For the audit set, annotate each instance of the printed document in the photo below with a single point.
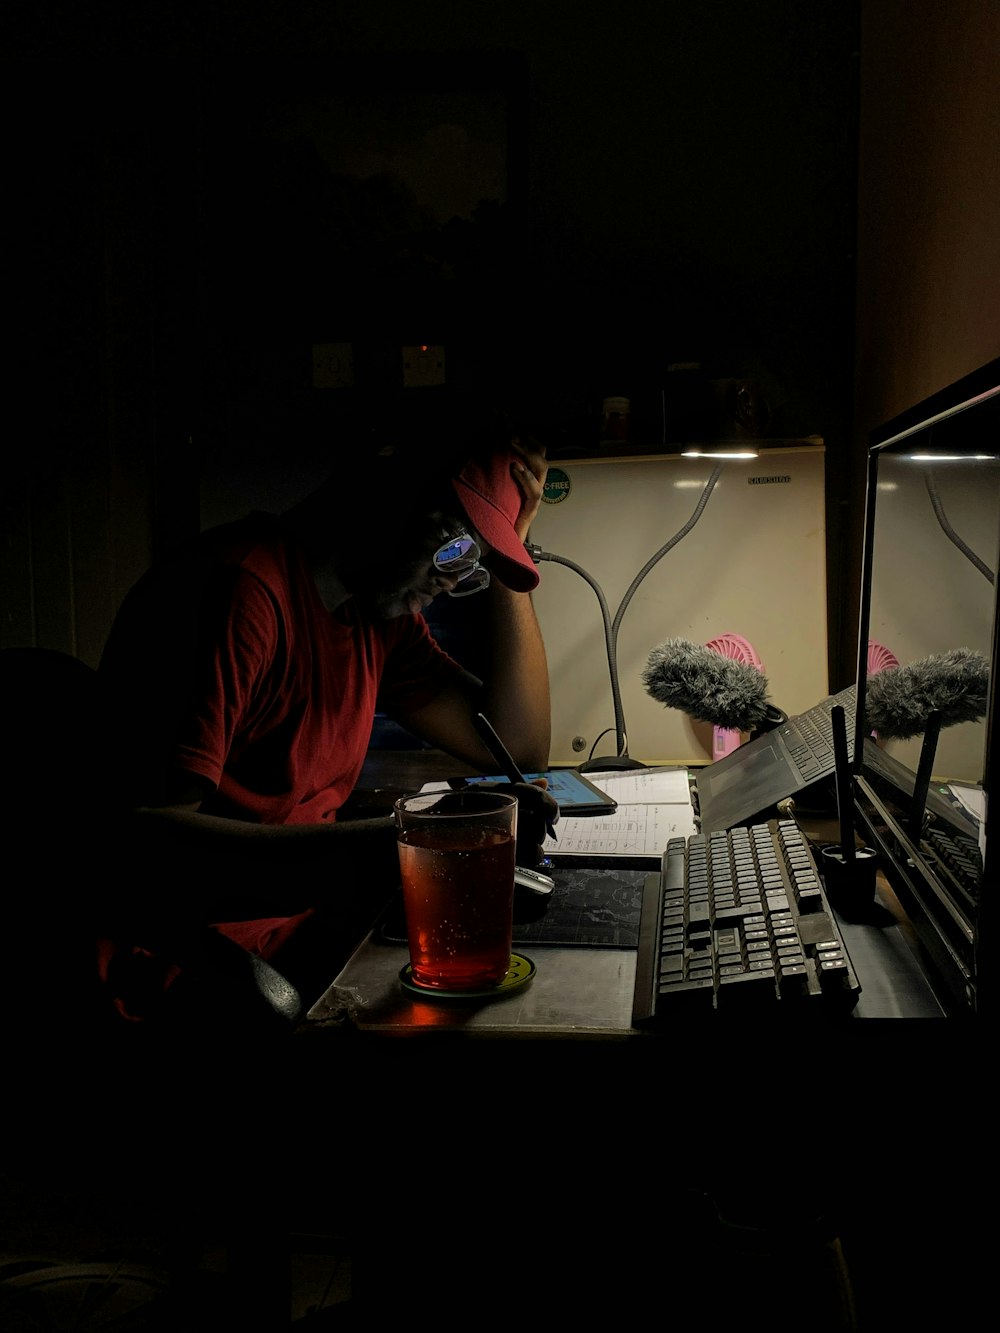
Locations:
(654, 805)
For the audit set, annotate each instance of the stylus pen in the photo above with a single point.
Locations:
(501, 754)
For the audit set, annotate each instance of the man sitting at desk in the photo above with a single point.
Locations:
(242, 677)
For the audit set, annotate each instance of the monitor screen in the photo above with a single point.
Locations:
(929, 616)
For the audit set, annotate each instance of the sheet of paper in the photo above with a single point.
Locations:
(973, 798)
(652, 786)
(633, 830)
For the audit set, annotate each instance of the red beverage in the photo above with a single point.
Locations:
(458, 892)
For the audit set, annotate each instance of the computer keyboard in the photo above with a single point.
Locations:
(960, 856)
(737, 922)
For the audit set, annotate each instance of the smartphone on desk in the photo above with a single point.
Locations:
(575, 794)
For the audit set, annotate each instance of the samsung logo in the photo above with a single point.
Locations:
(775, 480)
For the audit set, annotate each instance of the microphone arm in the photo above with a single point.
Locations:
(611, 627)
(621, 738)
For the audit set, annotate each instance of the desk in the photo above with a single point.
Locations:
(578, 992)
(587, 992)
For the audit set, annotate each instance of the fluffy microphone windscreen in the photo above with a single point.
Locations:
(899, 700)
(705, 685)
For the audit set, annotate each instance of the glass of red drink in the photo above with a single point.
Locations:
(456, 863)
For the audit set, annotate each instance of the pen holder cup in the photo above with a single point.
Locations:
(850, 885)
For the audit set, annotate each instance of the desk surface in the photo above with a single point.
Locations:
(586, 992)
(583, 992)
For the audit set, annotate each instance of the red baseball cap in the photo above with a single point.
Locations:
(491, 499)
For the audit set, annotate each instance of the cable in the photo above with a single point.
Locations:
(537, 554)
(950, 532)
(611, 627)
(597, 740)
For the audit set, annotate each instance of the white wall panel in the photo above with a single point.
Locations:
(754, 564)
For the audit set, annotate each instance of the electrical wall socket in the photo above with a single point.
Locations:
(422, 365)
(333, 365)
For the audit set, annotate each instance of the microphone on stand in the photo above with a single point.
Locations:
(900, 701)
(925, 767)
(709, 687)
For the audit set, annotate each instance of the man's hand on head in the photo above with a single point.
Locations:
(529, 472)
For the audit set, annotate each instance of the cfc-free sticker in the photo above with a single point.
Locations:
(557, 486)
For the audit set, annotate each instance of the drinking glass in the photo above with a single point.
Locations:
(456, 862)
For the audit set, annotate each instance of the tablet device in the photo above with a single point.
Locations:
(575, 794)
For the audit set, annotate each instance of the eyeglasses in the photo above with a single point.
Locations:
(459, 557)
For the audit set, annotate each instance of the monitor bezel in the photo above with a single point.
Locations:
(957, 947)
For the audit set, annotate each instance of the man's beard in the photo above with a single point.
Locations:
(388, 599)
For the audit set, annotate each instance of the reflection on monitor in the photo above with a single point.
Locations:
(932, 550)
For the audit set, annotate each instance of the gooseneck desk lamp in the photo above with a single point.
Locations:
(621, 758)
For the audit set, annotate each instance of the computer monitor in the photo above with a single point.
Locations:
(932, 538)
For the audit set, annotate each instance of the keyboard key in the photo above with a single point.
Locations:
(834, 977)
(793, 983)
(699, 917)
(739, 912)
(749, 990)
(673, 864)
(687, 996)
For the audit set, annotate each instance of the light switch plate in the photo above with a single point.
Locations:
(422, 365)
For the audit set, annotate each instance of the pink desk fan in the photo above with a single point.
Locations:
(738, 649)
(879, 659)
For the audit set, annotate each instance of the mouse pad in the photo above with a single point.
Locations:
(587, 908)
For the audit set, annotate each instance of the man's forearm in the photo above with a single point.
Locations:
(516, 691)
(282, 842)
(200, 866)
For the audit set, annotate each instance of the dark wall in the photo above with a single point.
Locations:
(678, 185)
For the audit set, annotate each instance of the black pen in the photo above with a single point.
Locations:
(502, 755)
